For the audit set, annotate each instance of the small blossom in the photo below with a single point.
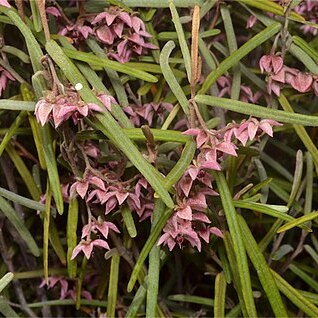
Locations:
(62, 107)
(81, 186)
(251, 21)
(4, 77)
(53, 11)
(102, 226)
(76, 32)
(5, 3)
(271, 63)
(86, 246)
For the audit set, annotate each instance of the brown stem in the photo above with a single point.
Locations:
(20, 6)
(41, 7)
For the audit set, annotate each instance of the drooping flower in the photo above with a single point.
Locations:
(122, 34)
(5, 3)
(81, 186)
(144, 114)
(62, 107)
(86, 246)
(4, 77)
(271, 63)
(76, 32)
(99, 225)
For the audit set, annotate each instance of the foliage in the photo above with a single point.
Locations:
(158, 158)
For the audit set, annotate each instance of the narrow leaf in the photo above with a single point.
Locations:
(23, 231)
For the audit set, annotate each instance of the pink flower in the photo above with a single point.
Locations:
(81, 186)
(86, 246)
(139, 115)
(5, 3)
(52, 282)
(53, 11)
(102, 226)
(251, 21)
(76, 32)
(271, 63)
(62, 107)
(4, 77)
(302, 82)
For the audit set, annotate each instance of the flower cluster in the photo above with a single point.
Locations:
(108, 191)
(122, 35)
(280, 75)
(61, 107)
(309, 10)
(4, 77)
(87, 244)
(189, 222)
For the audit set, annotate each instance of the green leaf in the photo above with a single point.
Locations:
(71, 236)
(34, 205)
(306, 47)
(128, 221)
(219, 295)
(24, 172)
(153, 237)
(295, 297)
(304, 58)
(257, 111)
(277, 211)
(18, 105)
(183, 163)
(113, 65)
(25, 234)
(154, 266)
(6, 309)
(311, 282)
(234, 58)
(192, 299)
(238, 244)
(182, 40)
(5, 280)
(170, 78)
(263, 270)
(232, 45)
(273, 7)
(14, 126)
(296, 222)
(301, 131)
(113, 285)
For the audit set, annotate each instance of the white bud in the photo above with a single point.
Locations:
(78, 86)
